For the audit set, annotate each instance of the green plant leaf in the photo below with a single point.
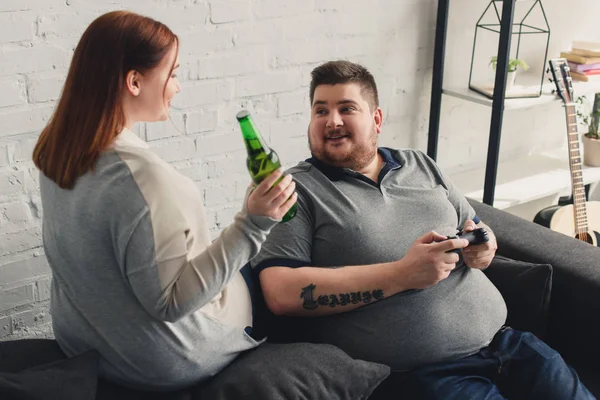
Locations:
(513, 64)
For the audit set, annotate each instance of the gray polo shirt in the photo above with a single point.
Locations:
(344, 218)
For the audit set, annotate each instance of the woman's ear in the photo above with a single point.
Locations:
(132, 82)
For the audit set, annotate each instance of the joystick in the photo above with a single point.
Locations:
(477, 236)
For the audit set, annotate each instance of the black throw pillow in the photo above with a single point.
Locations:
(526, 289)
(295, 371)
(71, 378)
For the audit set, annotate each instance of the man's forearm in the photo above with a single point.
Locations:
(313, 291)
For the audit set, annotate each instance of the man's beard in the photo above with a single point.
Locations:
(360, 155)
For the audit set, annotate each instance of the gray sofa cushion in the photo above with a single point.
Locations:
(296, 371)
(72, 378)
(17, 355)
(526, 289)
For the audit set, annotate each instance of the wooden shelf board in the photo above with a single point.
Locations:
(580, 88)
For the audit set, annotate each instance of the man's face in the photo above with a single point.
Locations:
(343, 129)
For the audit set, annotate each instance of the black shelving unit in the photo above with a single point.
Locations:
(493, 150)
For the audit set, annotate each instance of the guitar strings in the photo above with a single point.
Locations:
(576, 182)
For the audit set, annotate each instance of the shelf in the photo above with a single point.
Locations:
(516, 181)
(523, 179)
(580, 88)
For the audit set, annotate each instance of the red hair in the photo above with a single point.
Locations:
(89, 114)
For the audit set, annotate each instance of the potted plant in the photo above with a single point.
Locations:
(513, 64)
(589, 119)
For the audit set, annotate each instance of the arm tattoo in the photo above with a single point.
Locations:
(334, 300)
(307, 295)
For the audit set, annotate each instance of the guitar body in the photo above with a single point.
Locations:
(560, 219)
(571, 219)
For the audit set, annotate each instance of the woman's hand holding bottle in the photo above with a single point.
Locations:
(273, 201)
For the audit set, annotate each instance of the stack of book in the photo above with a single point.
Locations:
(584, 61)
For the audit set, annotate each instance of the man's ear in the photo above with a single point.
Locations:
(132, 82)
(378, 119)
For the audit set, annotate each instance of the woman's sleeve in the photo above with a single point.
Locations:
(168, 280)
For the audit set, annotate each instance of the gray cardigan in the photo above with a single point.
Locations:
(136, 277)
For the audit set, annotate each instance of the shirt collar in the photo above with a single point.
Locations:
(336, 173)
(388, 157)
(127, 138)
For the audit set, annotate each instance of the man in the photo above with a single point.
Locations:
(367, 254)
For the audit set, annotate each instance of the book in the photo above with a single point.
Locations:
(578, 76)
(584, 52)
(583, 67)
(590, 49)
(576, 58)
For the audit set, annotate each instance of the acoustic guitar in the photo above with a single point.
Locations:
(571, 219)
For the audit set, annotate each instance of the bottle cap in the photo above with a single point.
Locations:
(242, 114)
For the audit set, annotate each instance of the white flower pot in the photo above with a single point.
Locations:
(510, 79)
(591, 151)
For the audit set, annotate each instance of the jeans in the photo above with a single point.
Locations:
(516, 365)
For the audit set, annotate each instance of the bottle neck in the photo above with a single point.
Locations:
(252, 137)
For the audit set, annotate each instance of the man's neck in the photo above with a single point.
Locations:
(373, 168)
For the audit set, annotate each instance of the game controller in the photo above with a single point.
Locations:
(477, 236)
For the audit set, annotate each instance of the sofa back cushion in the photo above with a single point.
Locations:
(526, 288)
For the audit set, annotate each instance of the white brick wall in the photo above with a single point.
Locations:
(256, 54)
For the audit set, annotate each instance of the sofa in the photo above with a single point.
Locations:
(573, 325)
(551, 284)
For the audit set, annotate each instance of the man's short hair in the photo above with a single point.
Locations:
(342, 71)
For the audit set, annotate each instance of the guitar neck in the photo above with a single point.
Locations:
(579, 198)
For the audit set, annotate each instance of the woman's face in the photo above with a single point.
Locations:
(153, 98)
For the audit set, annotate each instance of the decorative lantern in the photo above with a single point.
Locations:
(527, 60)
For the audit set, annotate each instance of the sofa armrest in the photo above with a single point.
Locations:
(574, 322)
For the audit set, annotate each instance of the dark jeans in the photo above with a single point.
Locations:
(516, 365)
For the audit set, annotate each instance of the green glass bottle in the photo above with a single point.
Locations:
(262, 160)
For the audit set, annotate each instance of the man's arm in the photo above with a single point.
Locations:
(314, 291)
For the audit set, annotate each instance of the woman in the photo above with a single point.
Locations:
(135, 275)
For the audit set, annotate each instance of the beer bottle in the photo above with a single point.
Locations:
(262, 160)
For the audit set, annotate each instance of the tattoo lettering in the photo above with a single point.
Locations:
(334, 300)
(355, 297)
(378, 294)
(307, 295)
(367, 297)
(344, 299)
(323, 300)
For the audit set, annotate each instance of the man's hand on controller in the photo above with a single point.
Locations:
(429, 260)
(479, 256)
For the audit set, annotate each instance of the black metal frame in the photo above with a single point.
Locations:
(499, 91)
(437, 77)
(495, 28)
